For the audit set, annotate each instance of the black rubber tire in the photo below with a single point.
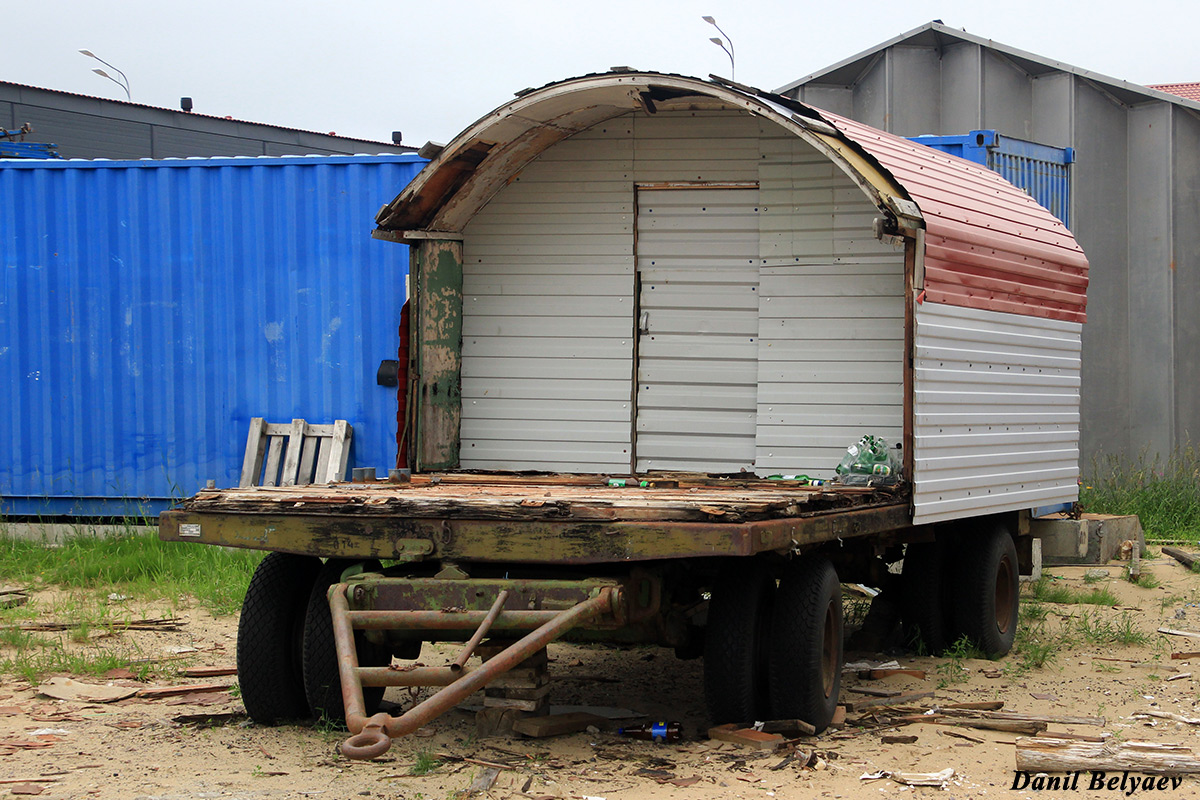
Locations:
(269, 634)
(322, 683)
(805, 660)
(926, 606)
(987, 593)
(735, 640)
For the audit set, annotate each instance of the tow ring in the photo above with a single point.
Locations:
(371, 742)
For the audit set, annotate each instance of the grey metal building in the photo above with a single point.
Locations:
(96, 127)
(1135, 204)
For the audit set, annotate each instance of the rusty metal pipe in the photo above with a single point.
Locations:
(448, 620)
(347, 652)
(420, 676)
(372, 736)
(477, 637)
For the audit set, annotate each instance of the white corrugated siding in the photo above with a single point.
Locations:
(831, 345)
(698, 346)
(996, 404)
(548, 281)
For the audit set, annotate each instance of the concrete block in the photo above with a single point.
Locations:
(1094, 539)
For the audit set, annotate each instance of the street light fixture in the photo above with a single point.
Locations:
(104, 74)
(721, 44)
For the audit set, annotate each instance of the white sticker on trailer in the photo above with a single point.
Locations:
(189, 530)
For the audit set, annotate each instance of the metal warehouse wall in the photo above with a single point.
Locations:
(96, 127)
(1135, 203)
(149, 309)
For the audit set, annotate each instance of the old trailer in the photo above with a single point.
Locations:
(649, 313)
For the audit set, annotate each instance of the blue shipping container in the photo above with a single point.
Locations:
(1041, 170)
(149, 309)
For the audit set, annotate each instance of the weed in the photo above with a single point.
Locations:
(426, 762)
(1164, 492)
(1146, 581)
(952, 670)
(1046, 590)
(1100, 666)
(1093, 628)
(1033, 611)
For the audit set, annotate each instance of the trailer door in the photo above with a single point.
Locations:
(697, 354)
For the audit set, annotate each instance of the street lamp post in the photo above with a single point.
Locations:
(103, 74)
(721, 44)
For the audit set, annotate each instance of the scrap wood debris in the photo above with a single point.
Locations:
(912, 778)
(149, 624)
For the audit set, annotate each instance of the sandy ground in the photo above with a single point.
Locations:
(142, 748)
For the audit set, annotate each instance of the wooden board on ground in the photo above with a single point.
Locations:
(557, 724)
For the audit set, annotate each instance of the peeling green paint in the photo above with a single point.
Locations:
(439, 333)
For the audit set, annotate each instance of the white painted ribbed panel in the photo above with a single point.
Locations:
(697, 351)
(996, 406)
(831, 336)
(548, 280)
(548, 314)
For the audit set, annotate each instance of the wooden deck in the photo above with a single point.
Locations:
(537, 518)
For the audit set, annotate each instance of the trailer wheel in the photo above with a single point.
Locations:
(805, 663)
(926, 609)
(322, 682)
(987, 595)
(269, 634)
(739, 614)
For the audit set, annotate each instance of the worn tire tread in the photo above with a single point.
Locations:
(734, 679)
(321, 679)
(268, 663)
(980, 554)
(806, 591)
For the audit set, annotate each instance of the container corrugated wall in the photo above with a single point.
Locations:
(1044, 172)
(149, 309)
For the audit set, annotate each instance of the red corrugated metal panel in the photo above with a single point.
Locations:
(987, 243)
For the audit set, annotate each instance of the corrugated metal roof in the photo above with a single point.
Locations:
(1188, 91)
(987, 243)
(938, 36)
(193, 113)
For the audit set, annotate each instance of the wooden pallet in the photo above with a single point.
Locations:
(295, 453)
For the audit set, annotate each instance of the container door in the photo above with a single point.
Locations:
(697, 356)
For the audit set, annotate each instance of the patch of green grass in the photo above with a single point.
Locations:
(426, 762)
(1095, 628)
(1164, 492)
(134, 563)
(1047, 590)
(1146, 581)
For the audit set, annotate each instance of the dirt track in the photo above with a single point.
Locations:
(139, 748)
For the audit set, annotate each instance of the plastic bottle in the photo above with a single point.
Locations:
(654, 732)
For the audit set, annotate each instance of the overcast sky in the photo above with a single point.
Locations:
(365, 68)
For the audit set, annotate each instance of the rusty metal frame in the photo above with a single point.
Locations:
(533, 541)
(372, 736)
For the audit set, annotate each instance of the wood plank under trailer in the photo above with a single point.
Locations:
(550, 519)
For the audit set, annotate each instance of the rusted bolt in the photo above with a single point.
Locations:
(360, 593)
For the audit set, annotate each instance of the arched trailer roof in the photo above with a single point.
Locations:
(982, 243)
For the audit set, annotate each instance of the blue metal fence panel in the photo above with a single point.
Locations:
(1041, 170)
(149, 309)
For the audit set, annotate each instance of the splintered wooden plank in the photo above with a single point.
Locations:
(308, 459)
(291, 461)
(256, 445)
(339, 455)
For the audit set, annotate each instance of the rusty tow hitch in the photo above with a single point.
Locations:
(372, 736)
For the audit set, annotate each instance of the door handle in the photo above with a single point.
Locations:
(644, 322)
